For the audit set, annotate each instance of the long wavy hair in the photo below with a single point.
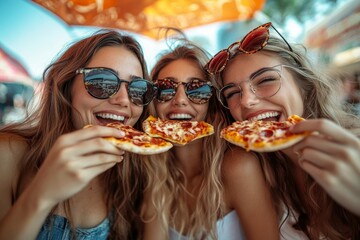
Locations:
(52, 118)
(167, 183)
(318, 214)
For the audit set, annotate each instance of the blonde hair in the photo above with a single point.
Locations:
(320, 101)
(167, 182)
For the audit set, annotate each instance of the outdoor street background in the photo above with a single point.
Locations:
(35, 37)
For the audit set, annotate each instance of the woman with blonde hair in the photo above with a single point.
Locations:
(315, 183)
(201, 190)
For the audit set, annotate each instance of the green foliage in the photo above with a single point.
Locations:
(300, 10)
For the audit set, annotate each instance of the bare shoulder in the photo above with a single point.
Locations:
(12, 149)
(241, 174)
(239, 162)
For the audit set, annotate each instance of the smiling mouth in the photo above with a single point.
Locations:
(179, 116)
(105, 118)
(268, 116)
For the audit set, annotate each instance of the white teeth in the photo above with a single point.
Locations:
(264, 115)
(179, 116)
(111, 116)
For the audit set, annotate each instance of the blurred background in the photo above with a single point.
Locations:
(34, 33)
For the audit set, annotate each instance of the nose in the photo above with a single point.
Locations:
(121, 97)
(180, 97)
(248, 97)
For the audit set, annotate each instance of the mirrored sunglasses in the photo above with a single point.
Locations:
(197, 91)
(103, 83)
(253, 42)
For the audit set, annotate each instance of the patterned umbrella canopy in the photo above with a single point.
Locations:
(11, 71)
(146, 16)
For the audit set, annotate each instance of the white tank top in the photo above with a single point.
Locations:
(287, 232)
(227, 228)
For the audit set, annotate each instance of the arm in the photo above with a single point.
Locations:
(75, 159)
(247, 192)
(332, 158)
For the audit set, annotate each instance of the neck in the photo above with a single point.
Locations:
(188, 158)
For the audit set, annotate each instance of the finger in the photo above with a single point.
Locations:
(91, 146)
(88, 174)
(320, 143)
(89, 133)
(319, 159)
(320, 175)
(98, 159)
(327, 128)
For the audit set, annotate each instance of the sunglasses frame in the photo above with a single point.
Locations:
(85, 71)
(279, 71)
(185, 84)
(228, 53)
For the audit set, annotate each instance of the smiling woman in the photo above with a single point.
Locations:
(64, 167)
(196, 190)
(314, 182)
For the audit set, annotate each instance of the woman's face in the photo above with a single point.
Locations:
(287, 101)
(116, 108)
(180, 107)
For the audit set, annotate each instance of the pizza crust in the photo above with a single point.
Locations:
(136, 141)
(144, 150)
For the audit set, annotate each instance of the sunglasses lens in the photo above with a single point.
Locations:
(100, 83)
(198, 92)
(166, 90)
(255, 40)
(218, 62)
(141, 92)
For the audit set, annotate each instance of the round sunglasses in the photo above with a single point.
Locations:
(103, 83)
(253, 42)
(197, 91)
(264, 83)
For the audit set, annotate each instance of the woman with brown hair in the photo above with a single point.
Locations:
(60, 180)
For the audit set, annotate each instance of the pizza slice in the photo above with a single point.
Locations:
(176, 131)
(136, 141)
(263, 136)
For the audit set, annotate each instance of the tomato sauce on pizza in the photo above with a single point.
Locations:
(263, 136)
(177, 131)
(136, 141)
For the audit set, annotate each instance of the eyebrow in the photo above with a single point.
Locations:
(133, 77)
(252, 75)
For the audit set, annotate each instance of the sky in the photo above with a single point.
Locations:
(35, 36)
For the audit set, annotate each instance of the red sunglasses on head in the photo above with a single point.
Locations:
(254, 41)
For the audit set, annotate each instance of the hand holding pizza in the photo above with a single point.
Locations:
(332, 158)
(75, 159)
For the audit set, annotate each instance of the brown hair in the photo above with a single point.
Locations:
(53, 116)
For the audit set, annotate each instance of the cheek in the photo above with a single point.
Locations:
(137, 111)
(202, 110)
(293, 99)
(160, 107)
(236, 113)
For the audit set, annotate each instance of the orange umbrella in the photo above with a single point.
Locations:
(145, 16)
